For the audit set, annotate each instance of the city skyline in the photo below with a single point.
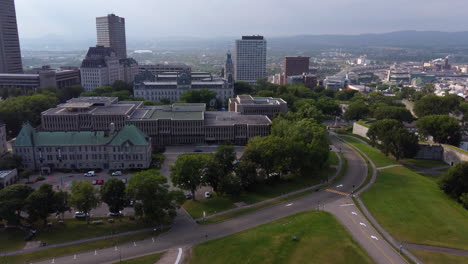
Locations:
(209, 18)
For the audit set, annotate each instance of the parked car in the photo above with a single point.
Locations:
(90, 174)
(117, 173)
(80, 215)
(100, 182)
(94, 182)
(207, 195)
(115, 214)
(124, 180)
(188, 196)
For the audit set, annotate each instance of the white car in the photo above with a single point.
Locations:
(90, 174)
(115, 214)
(207, 195)
(80, 215)
(117, 173)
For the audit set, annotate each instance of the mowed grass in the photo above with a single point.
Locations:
(73, 249)
(259, 193)
(425, 164)
(439, 258)
(150, 259)
(413, 209)
(376, 156)
(72, 229)
(332, 158)
(321, 239)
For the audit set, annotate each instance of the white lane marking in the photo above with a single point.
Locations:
(134, 244)
(374, 237)
(115, 248)
(346, 204)
(289, 204)
(179, 256)
(74, 256)
(354, 213)
(152, 239)
(53, 261)
(363, 224)
(95, 252)
(338, 186)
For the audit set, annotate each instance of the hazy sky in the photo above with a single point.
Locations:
(214, 18)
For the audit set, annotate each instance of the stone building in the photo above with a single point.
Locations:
(8, 177)
(171, 85)
(127, 148)
(167, 124)
(248, 105)
(3, 139)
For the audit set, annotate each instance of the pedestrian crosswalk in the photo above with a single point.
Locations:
(338, 192)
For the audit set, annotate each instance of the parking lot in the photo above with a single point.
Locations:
(64, 180)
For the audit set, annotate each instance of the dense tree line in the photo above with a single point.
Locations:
(154, 202)
(455, 183)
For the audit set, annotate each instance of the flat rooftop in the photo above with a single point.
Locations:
(5, 173)
(216, 118)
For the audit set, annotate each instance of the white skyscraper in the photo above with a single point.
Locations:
(250, 59)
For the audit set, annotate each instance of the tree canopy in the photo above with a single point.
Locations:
(113, 194)
(455, 183)
(83, 197)
(442, 128)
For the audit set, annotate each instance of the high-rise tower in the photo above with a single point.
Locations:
(10, 53)
(229, 70)
(111, 33)
(250, 59)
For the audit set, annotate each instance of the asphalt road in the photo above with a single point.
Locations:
(186, 233)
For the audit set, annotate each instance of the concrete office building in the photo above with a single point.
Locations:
(127, 148)
(3, 139)
(172, 85)
(167, 125)
(248, 105)
(10, 53)
(162, 68)
(102, 67)
(295, 65)
(250, 59)
(111, 33)
(41, 78)
(8, 177)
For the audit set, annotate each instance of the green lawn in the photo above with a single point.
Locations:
(378, 157)
(150, 259)
(68, 250)
(412, 208)
(332, 158)
(425, 164)
(73, 229)
(321, 239)
(439, 258)
(262, 192)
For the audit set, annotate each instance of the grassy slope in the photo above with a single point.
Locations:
(439, 258)
(73, 229)
(412, 207)
(150, 259)
(321, 240)
(378, 157)
(261, 192)
(426, 164)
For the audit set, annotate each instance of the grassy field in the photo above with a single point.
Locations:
(413, 209)
(333, 158)
(262, 192)
(73, 229)
(439, 258)
(68, 250)
(321, 239)
(378, 157)
(150, 259)
(425, 164)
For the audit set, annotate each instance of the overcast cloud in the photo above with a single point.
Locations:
(216, 18)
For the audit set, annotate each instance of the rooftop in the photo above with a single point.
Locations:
(5, 173)
(217, 118)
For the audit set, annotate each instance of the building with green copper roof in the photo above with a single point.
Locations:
(124, 149)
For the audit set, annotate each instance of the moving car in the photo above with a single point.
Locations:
(80, 215)
(117, 173)
(207, 195)
(188, 196)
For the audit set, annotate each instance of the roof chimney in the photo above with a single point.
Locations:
(111, 128)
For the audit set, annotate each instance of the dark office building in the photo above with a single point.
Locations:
(294, 66)
(10, 54)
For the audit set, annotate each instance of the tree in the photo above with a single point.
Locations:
(455, 183)
(122, 86)
(113, 194)
(442, 128)
(328, 106)
(10, 162)
(241, 87)
(247, 173)
(188, 170)
(61, 203)
(199, 96)
(428, 88)
(69, 92)
(165, 101)
(393, 112)
(393, 138)
(345, 95)
(437, 105)
(154, 202)
(13, 202)
(26, 173)
(84, 197)
(41, 203)
(219, 166)
(357, 110)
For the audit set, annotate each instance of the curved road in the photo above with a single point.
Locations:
(186, 233)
